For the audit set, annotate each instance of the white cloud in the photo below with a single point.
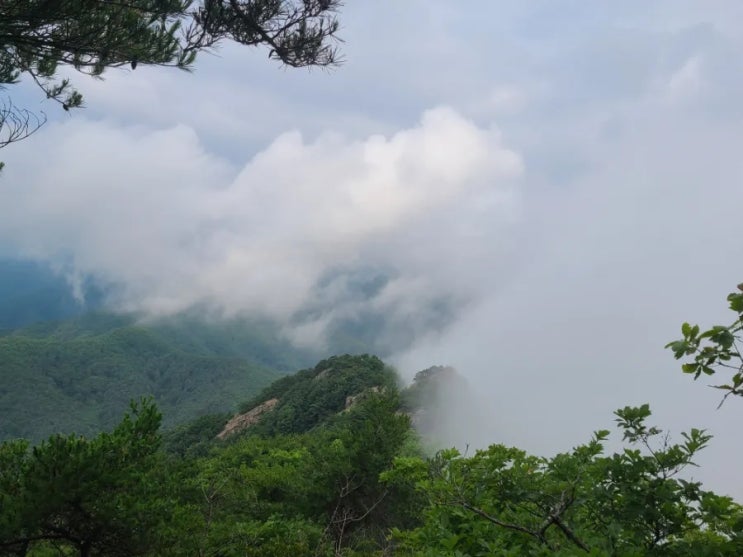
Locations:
(174, 225)
(687, 81)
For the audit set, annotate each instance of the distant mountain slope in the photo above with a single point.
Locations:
(293, 404)
(436, 401)
(79, 374)
(31, 292)
(306, 398)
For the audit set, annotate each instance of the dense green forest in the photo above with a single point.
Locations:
(80, 374)
(332, 460)
(334, 467)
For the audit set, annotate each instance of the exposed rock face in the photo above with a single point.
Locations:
(323, 374)
(353, 399)
(243, 421)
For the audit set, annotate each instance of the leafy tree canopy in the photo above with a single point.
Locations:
(715, 349)
(503, 501)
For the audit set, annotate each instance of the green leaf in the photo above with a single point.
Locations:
(725, 339)
(601, 435)
(736, 301)
(679, 348)
(689, 368)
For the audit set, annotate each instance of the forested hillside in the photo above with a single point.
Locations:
(79, 375)
(333, 468)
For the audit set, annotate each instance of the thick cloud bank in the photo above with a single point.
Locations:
(170, 225)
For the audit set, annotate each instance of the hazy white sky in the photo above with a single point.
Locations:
(567, 175)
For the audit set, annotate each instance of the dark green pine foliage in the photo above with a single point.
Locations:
(95, 496)
(39, 36)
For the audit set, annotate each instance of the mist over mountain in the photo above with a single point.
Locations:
(32, 291)
(65, 368)
(316, 233)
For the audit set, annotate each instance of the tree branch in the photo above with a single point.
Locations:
(500, 523)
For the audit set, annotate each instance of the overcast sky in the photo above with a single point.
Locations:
(566, 178)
